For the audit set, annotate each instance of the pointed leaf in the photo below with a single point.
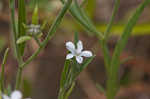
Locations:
(125, 35)
(2, 78)
(115, 63)
(35, 15)
(83, 19)
(23, 39)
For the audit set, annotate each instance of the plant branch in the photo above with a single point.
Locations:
(50, 33)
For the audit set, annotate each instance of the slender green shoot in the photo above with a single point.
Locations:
(3, 70)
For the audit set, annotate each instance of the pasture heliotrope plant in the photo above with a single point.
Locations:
(77, 52)
(71, 69)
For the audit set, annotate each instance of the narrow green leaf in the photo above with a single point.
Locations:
(83, 19)
(80, 15)
(109, 26)
(115, 63)
(103, 43)
(125, 35)
(21, 21)
(35, 15)
(3, 70)
(23, 39)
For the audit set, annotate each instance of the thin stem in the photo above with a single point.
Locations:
(109, 26)
(50, 33)
(69, 91)
(106, 54)
(14, 35)
(19, 75)
(13, 23)
(3, 70)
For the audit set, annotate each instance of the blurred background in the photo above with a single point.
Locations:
(42, 76)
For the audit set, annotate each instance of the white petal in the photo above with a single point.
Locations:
(69, 56)
(86, 54)
(79, 59)
(71, 47)
(5, 97)
(79, 46)
(16, 95)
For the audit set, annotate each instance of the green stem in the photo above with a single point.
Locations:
(50, 33)
(3, 70)
(19, 75)
(109, 26)
(14, 35)
(69, 91)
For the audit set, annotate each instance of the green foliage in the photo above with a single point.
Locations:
(35, 15)
(23, 39)
(3, 70)
(115, 63)
(79, 14)
(70, 73)
(71, 68)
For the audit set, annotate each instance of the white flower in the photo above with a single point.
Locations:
(34, 29)
(77, 52)
(14, 95)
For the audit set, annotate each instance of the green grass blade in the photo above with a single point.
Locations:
(21, 21)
